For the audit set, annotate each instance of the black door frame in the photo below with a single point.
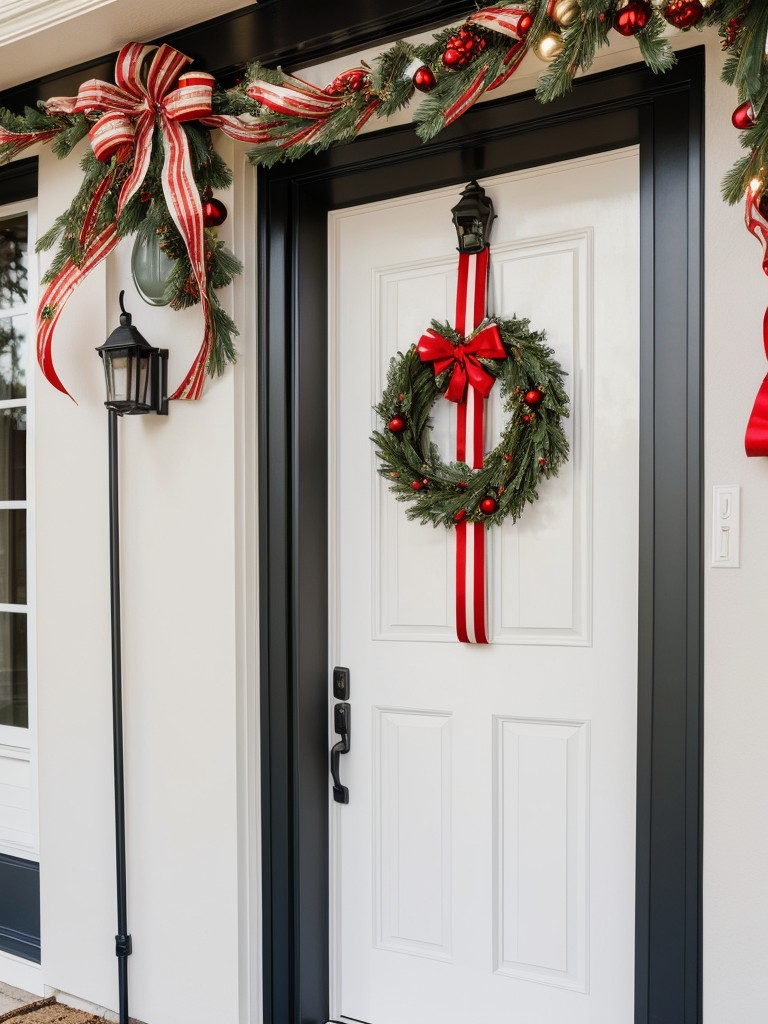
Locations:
(629, 106)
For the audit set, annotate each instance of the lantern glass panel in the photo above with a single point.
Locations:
(141, 371)
(117, 376)
(470, 233)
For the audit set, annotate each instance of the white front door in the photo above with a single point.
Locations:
(484, 868)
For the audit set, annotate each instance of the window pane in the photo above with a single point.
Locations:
(13, 670)
(13, 556)
(13, 261)
(13, 357)
(13, 454)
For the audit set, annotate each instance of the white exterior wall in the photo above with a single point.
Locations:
(185, 661)
(735, 675)
(188, 584)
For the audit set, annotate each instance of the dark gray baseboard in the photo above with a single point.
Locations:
(20, 907)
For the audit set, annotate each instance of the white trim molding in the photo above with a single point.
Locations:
(22, 18)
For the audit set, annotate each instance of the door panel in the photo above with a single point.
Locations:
(484, 867)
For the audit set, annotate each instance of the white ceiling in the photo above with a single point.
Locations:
(38, 37)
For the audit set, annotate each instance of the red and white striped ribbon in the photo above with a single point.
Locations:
(509, 21)
(126, 116)
(470, 537)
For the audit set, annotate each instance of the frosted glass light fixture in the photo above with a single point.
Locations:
(151, 269)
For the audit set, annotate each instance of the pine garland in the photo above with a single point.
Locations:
(532, 445)
(389, 86)
(289, 118)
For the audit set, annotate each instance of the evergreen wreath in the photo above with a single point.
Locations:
(532, 443)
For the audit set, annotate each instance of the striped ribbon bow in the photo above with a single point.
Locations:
(126, 116)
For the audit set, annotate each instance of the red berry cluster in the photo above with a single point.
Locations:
(461, 49)
(348, 81)
(731, 31)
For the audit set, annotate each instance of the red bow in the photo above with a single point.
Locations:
(464, 357)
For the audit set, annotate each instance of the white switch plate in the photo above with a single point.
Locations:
(725, 526)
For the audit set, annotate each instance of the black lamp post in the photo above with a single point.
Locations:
(136, 375)
(472, 217)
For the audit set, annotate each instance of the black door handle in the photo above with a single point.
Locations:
(342, 724)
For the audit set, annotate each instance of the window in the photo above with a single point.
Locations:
(15, 319)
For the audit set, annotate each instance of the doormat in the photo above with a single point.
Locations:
(48, 1011)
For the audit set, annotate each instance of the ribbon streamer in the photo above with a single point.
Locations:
(470, 537)
(13, 143)
(756, 437)
(300, 99)
(469, 385)
(508, 21)
(296, 98)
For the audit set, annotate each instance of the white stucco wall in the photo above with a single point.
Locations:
(186, 658)
(188, 576)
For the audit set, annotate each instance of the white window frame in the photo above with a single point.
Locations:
(19, 743)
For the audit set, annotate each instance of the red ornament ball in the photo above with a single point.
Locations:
(524, 24)
(683, 13)
(542, 461)
(488, 506)
(743, 116)
(633, 18)
(507, 457)
(460, 516)
(534, 397)
(423, 79)
(214, 213)
(527, 418)
(452, 58)
(416, 485)
(425, 482)
(396, 424)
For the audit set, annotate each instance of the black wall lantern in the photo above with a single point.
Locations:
(136, 373)
(137, 379)
(472, 217)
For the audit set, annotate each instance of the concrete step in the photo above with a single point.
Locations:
(11, 998)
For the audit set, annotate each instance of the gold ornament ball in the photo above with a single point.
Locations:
(706, 3)
(565, 12)
(549, 46)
